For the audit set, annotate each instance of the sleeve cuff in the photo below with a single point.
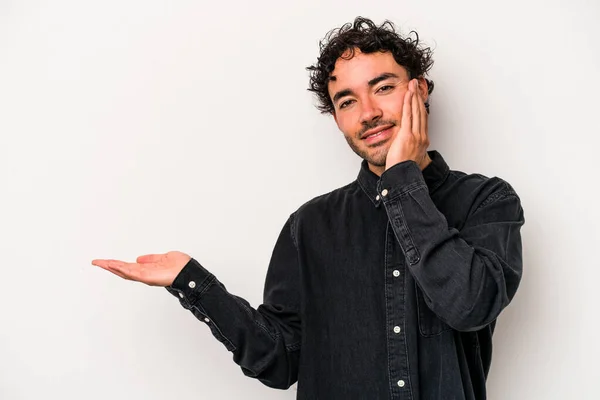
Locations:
(191, 282)
(401, 178)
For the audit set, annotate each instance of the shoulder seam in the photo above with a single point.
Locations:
(507, 191)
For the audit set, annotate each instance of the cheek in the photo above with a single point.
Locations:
(393, 107)
(348, 124)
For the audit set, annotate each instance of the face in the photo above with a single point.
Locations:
(367, 93)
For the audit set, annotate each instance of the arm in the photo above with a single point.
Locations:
(265, 342)
(467, 277)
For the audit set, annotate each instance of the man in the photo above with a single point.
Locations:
(389, 287)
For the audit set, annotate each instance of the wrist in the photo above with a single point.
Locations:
(422, 163)
(425, 162)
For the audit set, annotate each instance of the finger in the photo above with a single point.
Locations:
(125, 270)
(149, 258)
(130, 270)
(118, 273)
(111, 266)
(416, 115)
(104, 263)
(424, 115)
(405, 124)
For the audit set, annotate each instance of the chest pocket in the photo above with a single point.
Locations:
(429, 323)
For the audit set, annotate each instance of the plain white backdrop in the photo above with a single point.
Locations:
(132, 127)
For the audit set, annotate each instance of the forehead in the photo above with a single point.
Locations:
(358, 70)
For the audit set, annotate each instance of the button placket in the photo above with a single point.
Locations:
(396, 341)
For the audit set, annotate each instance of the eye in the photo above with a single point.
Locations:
(345, 104)
(385, 88)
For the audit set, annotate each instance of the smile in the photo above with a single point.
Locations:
(377, 136)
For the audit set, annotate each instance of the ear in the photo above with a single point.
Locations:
(423, 88)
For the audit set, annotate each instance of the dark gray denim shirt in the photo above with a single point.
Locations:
(387, 288)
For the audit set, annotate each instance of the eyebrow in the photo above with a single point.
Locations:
(371, 83)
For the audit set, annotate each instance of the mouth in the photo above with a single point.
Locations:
(377, 134)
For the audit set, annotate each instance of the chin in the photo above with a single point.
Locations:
(378, 158)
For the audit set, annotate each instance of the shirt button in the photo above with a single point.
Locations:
(181, 295)
(207, 320)
(396, 273)
(401, 383)
(192, 284)
(397, 329)
(384, 192)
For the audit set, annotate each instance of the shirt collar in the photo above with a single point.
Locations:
(435, 174)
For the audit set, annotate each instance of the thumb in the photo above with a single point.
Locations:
(149, 258)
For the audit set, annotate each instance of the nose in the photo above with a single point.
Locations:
(370, 111)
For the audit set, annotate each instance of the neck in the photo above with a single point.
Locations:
(377, 170)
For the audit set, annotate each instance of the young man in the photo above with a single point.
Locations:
(389, 287)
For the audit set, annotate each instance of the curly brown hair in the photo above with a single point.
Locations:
(366, 36)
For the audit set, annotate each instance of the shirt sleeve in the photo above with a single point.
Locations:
(469, 276)
(265, 341)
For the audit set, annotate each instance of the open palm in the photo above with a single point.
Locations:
(151, 269)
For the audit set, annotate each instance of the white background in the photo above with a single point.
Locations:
(131, 127)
